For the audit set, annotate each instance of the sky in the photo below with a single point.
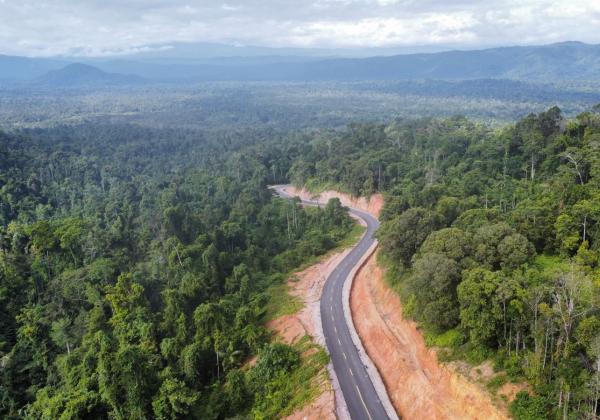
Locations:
(112, 27)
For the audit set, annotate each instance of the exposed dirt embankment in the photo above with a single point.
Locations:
(372, 205)
(308, 286)
(419, 386)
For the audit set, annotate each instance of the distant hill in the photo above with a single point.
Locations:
(564, 61)
(81, 75)
(550, 63)
(556, 62)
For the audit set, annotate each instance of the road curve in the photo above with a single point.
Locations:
(357, 387)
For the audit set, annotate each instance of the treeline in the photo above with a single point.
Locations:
(492, 238)
(134, 268)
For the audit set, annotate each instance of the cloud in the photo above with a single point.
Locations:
(381, 32)
(105, 27)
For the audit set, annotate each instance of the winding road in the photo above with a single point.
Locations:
(357, 387)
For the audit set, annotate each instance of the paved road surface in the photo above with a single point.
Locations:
(359, 393)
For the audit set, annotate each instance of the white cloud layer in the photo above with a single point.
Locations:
(103, 27)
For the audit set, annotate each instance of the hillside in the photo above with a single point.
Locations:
(78, 75)
(564, 61)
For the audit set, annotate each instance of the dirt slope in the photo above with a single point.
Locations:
(372, 205)
(418, 385)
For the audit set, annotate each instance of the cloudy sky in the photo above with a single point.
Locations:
(104, 27)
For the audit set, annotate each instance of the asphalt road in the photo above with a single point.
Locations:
(358, 390)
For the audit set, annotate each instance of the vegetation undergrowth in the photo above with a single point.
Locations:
(280, 302)
(296, 388)
(316, 186)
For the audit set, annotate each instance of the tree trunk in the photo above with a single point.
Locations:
(545, 349)
(566, 405)
(178, 256)
(287, 216)
(504, 318)
(218, 365)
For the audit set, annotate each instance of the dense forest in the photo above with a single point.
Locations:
(135, 262)
(287, 105)
(135, 266)
(492, 238)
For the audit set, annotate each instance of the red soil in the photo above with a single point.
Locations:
(372, 205)
(419, 386)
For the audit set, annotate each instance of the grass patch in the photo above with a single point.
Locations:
(394, 275)
(280, 302)
(496, 383)
(551, 263)
(450, 338)
(452, 346)
(308, 379)
(316, 187)
(352, 237)
(467, 352)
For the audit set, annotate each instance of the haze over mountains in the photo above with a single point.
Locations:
(77, 75)
(556, 62)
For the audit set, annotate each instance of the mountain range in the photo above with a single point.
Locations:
(556, 62)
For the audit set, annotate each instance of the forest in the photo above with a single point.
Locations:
(287, 105)
(135, 262)
(492, 239)
(135, 266)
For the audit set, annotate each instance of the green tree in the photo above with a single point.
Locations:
(402, 236)
(515, 250)
(433, 284)
(451, 242)
(479, 316)
(174, 399)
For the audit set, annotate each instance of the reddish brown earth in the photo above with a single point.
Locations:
(372, 205)
(419, 386)
(509, 391)
(484, 373)
(322, 408)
